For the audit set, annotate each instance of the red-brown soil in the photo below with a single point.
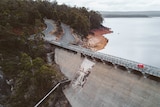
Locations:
(95, 40)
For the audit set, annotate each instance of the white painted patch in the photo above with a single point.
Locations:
(82, 74)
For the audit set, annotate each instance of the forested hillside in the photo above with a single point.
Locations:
(23, 60)
(130, 14)
(17, 13)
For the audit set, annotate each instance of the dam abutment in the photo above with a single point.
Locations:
(105, 85)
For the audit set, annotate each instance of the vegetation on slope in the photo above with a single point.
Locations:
(16, 13)
(23, 59)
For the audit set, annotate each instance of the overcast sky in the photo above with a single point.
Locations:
(115, 5)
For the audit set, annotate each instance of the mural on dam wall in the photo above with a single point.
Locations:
(82, 74)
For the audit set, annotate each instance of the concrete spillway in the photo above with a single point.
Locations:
(106, 86)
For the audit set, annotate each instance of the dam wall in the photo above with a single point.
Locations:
(104, 85)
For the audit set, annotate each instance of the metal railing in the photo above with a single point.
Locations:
(113, 59)
(53, 89)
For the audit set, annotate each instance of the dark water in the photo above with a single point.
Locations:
(136, 39)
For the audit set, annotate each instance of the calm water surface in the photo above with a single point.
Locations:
(136, 39)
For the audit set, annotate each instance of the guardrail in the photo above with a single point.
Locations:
(53, 89)
(113, 59)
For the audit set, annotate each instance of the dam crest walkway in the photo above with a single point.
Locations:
(116, 61)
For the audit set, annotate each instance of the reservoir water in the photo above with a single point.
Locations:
(136, 39)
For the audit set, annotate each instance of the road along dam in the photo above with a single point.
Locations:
(97, 84)
(101, 80)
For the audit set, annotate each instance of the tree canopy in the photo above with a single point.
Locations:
(17, 13)
(24, 59)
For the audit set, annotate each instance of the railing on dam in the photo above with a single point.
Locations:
(109, 58)
(52, 90)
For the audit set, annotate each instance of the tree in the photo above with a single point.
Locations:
(33, 82)
(24, 58)
(95, 19)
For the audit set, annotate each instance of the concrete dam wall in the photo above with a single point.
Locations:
(95, 84)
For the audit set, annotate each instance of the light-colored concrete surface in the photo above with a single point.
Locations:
(67, 38)
(107, 86)
(50, 27)
(64, 58)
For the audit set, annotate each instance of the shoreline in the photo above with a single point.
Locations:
(96, 40)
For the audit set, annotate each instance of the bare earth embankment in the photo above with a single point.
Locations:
(95, 40)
